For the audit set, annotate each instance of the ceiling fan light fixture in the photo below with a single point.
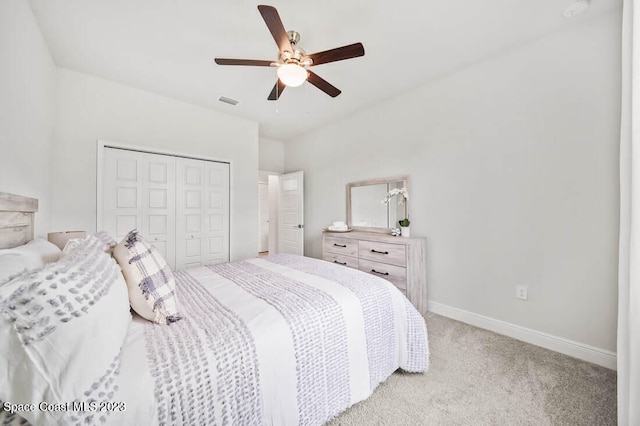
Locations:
(292, 75)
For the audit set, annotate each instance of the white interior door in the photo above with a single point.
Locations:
(138, 192)
(263, 227)
(291, 213)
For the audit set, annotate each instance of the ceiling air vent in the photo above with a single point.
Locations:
(228, 100)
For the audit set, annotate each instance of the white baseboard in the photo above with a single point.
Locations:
(578, 350)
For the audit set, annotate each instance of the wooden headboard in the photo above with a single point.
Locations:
(16, 219)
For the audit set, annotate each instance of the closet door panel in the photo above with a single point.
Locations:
(216, 212)
(189, 188)
(138, 192)
(158, 208)
(202, 212)
(122, 186)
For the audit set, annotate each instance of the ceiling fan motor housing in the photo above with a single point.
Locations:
(298, 54)
(294, 37)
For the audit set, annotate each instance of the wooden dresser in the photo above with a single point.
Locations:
(401, 260)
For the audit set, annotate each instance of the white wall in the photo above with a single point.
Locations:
(271, 155)
(89, 108)
(513, 166)
(27, 86)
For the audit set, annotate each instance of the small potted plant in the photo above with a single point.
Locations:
(404, 223)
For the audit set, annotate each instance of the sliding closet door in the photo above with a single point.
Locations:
(202, 212)
(180, 205)
(138, 192)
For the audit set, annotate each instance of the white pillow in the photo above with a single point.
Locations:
(149, 279)
(49, 251)
(62, 328)
(27, 257)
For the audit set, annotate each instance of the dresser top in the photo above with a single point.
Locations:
(375, 236)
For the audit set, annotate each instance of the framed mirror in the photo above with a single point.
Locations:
(365, 209)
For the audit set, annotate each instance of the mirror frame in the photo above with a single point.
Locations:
(405, 183)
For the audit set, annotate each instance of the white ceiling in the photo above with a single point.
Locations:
(168, 46)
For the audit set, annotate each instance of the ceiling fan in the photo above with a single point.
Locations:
(293, 60)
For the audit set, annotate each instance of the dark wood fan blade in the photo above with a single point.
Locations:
(272, 19)
(251, 62)
(323, 84)
(338, 54)
(276, 91)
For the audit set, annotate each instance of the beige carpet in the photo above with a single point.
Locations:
(478, 377)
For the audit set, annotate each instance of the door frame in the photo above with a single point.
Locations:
(263, 186)
(271, 179)
(102, 144)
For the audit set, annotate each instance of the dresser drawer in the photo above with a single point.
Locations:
(351, 262)
(343, 246)
(396, 274)
(393, 254)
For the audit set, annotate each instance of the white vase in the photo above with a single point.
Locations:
(405, 231)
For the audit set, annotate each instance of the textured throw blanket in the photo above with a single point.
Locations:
(279, 340)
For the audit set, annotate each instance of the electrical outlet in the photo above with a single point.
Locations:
(521, 292)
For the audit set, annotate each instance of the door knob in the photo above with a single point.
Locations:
(300, 226)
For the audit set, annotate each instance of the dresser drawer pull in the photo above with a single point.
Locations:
(379, 273)
(379, 252)
(340, 245)
(340, 263)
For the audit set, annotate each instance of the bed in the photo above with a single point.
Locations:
(279, 340)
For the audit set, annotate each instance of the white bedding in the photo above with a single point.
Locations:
(279, 340)
(298, 379)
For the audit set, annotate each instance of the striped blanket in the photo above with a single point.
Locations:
(280, 340)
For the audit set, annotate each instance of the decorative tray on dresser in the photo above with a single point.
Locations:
(401, 260)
